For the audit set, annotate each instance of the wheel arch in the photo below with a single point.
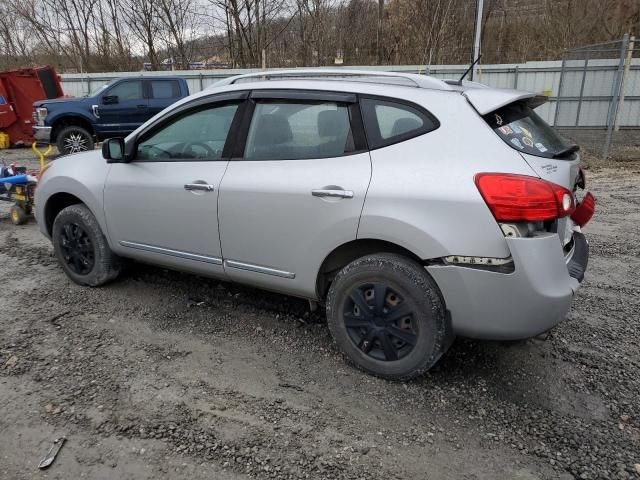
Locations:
(68, 121)
(347, 252)
(55, 204)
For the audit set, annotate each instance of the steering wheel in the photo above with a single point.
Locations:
(188, 149)
(154, 152)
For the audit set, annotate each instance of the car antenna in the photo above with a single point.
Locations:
(469, 69)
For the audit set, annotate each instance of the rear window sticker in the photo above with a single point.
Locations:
(527, 141)
(541, 147)
(517, 143)
(526, 132)
(498, 119)
(517, 129)
(506, 130)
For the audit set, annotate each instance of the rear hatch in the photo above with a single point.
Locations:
(511, 115)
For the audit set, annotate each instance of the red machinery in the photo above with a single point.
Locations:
(18, 90)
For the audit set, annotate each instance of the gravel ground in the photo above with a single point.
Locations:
(165, 375)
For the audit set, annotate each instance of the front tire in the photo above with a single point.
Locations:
(386, 315)
(82, 249)
(74, 139)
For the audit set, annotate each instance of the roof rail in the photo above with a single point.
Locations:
(368, 76)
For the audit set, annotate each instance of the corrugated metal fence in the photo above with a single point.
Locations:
(540, 77)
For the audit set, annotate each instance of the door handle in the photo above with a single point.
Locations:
(332, 193)
(199, 186)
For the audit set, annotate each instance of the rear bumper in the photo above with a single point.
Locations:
(534, 298)
(42, 134)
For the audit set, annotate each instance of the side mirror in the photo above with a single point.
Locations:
(110, 100)
(113, 150)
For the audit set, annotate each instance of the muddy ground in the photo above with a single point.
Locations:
(165, 375)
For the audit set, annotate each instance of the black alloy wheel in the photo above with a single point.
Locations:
(380, 322)
(77, 249)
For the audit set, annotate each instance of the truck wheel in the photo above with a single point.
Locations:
(74, 139)
(18, 215)
(386, 315)
(81, 248)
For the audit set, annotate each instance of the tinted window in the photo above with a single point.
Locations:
(130, 90)
(296, 130)
(165, 89)
(198, 135)
(522, 129)
(389, 122)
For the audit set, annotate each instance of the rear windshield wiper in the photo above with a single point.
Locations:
(567, 151)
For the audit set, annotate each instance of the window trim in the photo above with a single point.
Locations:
(300, 96)
(369, 117)
(203, 103)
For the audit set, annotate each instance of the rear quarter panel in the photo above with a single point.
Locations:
(422, 194)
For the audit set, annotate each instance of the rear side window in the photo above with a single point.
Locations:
(388, 122)
(165, 89)
(283, 130)
(522, 129)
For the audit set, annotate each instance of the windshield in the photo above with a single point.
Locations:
(523, 129)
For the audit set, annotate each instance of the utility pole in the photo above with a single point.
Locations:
(477, 36)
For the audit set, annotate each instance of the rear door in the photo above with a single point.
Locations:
(295, 191)
(162, 93)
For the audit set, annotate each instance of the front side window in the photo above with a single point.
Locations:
(129, 90)
(283, 130)
(197, 135)
(522, 129)
(389, 122)
(165, 89)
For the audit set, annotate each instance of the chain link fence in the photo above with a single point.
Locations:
(598, 100)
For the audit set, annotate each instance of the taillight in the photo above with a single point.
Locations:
(584, 211)
(520, 198)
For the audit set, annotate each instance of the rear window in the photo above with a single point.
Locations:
(522, 129)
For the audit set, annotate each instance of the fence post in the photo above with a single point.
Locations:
(627, 66)
(515, 78)
(584, 76)
(555, 115)
(201, 82)
(615, 95)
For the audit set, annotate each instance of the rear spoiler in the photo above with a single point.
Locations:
(487, 100)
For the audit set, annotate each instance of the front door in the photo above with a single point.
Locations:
(162, 206)
(297, 191)
(123, 108)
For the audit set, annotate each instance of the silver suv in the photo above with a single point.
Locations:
(415, 209)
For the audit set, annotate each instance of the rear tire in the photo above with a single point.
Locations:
(74, 139)
(386, 315)
(18, 215)
(82, 249)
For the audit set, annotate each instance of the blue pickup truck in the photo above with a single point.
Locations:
(113, 110)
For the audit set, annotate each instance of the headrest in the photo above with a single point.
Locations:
(332, 123)
(404, 125)
(272, 129)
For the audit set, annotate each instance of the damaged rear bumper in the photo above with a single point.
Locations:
(535, 297)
